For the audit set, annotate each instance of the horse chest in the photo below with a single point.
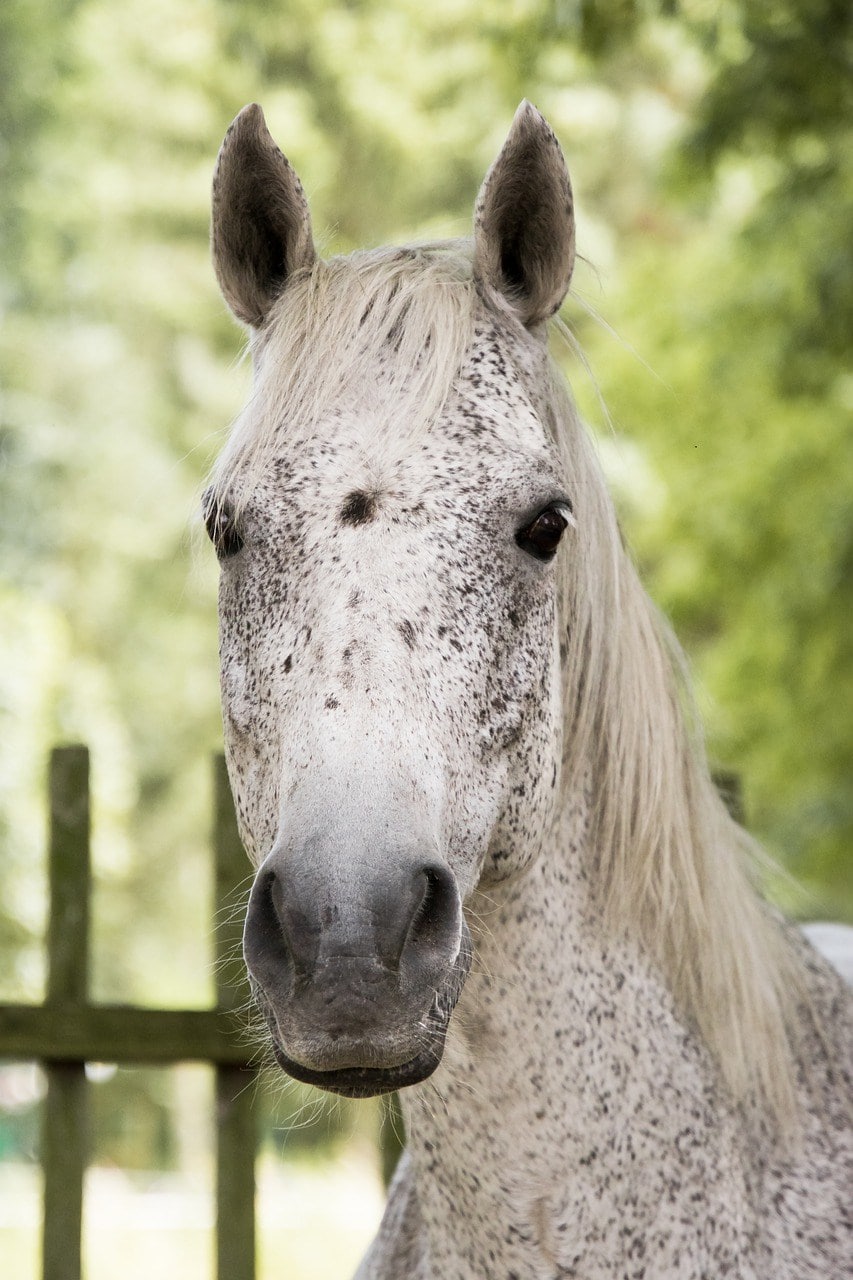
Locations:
(537, 1152)
(483, 1221)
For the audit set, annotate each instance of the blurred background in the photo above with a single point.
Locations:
(710, 147)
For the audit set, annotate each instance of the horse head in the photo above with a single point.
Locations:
(387, 515)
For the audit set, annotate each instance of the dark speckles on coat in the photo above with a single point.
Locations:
(358, 508)
(407, 631)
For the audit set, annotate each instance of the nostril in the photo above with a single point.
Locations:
(426, 920)
(263, 937)
(263, 927)
(435, 925)
(278, 940)
(296, 925)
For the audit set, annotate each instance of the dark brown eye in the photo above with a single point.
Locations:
(541, 537)
(220, 524)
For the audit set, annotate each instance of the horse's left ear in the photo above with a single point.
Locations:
(524, 225)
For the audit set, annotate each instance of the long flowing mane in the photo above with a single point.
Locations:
(671, 865)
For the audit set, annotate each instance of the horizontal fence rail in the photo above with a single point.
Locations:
(69, 1030)
(118, 1033)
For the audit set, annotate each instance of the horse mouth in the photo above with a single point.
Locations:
(365, 1082)
(371, 1082)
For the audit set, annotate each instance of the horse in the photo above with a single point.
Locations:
(492, 870)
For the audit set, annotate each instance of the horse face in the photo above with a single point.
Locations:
(391, 700)
(390, 687)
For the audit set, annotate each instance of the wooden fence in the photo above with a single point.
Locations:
(68, 1030)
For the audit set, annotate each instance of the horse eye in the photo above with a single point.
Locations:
(541, 537)
(221, 526)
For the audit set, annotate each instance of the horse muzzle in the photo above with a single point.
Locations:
(356, 963)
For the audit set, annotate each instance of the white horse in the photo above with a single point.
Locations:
(491, 863)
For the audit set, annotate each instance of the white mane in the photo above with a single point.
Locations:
(672, 867)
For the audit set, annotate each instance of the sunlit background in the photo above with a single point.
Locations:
(710, 146)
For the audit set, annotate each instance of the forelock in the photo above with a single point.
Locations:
(380, 334)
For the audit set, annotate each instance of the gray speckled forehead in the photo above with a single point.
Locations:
(373, 347)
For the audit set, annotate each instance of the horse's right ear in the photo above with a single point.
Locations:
(261, 228)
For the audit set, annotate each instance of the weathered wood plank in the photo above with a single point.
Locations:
(65, 1136)
(236, 1124)
(116, 1033)
(64, 1147)
(69, 876)
(236, 1145)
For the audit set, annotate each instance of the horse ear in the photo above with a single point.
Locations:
(261, 227)
(524, 226)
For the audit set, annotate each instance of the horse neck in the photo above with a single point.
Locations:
(563, 1033)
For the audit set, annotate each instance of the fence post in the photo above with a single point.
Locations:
(730, 786)
(236, 1126)
(65, 1122)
